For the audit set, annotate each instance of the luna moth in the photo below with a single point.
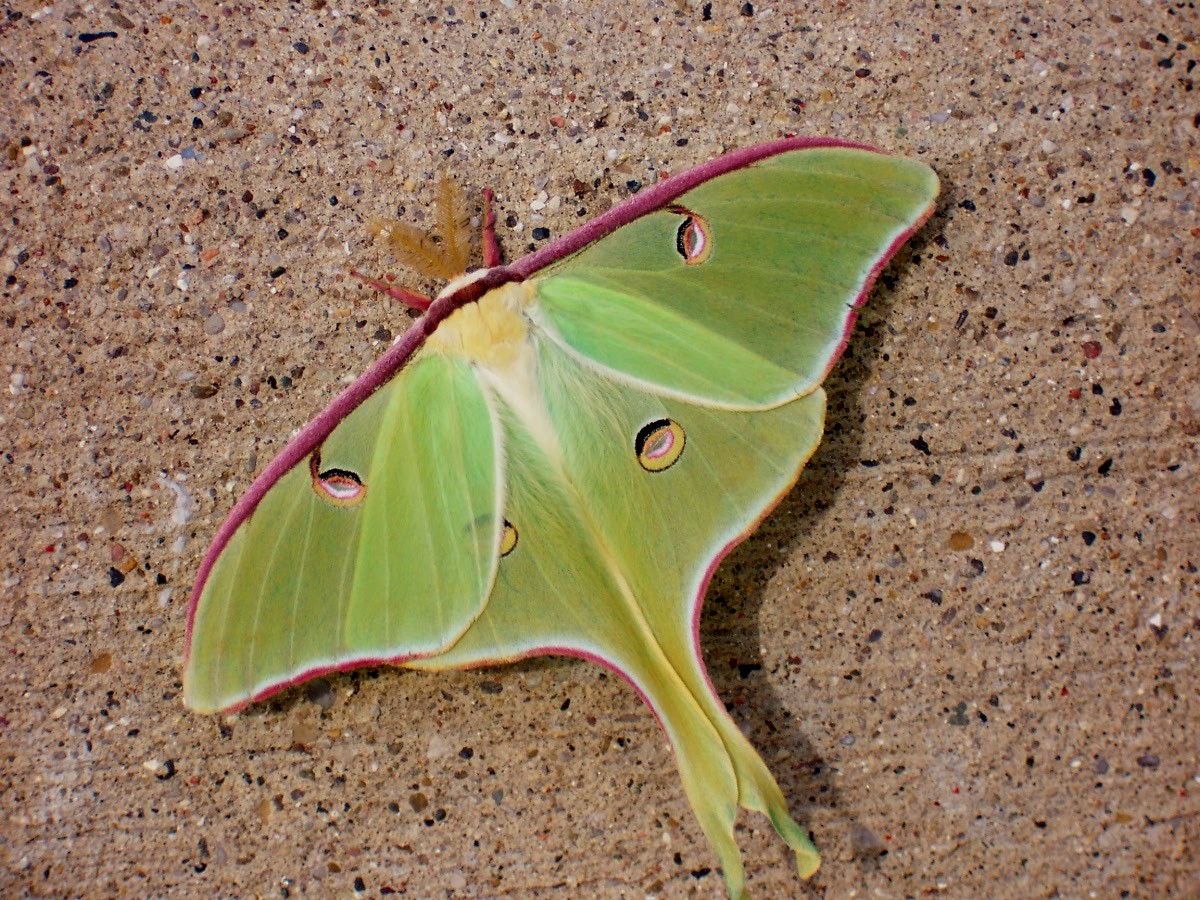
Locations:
(557, 454)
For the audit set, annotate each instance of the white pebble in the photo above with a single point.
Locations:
(438, 747)
(185, 506)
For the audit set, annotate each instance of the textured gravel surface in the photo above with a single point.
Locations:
(966, 643)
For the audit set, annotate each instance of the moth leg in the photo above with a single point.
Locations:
(491, 251)
(410, 299)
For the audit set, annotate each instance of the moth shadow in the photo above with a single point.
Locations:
(730, 631)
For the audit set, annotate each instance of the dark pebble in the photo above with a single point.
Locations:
(320, 693)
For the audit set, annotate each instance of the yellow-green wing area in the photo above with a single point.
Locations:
(611, 560)
(380, 546)
(740, 294)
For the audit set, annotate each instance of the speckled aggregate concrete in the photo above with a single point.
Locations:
(966, 643)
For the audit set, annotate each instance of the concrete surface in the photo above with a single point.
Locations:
(966, 643)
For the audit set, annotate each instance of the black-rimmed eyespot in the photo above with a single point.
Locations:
(341, 487)
(508, 538)
(693, 240)
(659, 444)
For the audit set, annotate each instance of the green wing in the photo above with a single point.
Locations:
(715, 320)
(610, 561)
(741, 295)
(381, 546)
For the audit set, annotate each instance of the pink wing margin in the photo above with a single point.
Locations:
(647, 201)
